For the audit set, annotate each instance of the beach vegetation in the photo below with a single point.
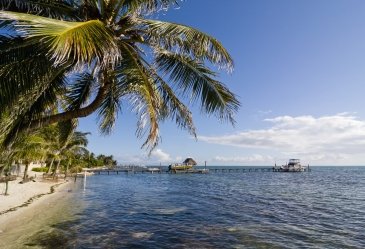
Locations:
(27, 149)
(62, 142)
(66, 59)
(40, 169)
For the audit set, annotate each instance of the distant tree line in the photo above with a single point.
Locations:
(59, 147)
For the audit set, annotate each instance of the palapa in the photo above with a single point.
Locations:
(189, 161)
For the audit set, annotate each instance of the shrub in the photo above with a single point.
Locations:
(40, 169)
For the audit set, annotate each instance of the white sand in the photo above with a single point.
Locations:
(20, 194)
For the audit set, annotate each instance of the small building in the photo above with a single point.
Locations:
(184, 167)
(189, 161)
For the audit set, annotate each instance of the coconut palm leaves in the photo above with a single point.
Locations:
(62, 140)
(186, 40)
(54, 8)
(83, 42)
(196, 80)
(74, 144)
(90, 56)
(28, 148)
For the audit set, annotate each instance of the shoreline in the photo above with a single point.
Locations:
(26, 200)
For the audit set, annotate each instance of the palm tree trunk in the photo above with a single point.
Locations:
(58, 165)
(17, 168)
(69, 162)
(64, 116)
(78, 113)
(6, 187)
(42, 161)
(25, 171)
(50, 166)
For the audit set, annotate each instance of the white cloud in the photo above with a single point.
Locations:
(323, 139)
(157, 156)
(160, 156)
(131, 159)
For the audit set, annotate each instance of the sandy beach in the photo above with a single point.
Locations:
(24, 199)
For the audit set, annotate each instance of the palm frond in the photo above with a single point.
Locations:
(50, 8)
(80, 138)
(80, 90)
(65, 131)
(16, 49)
(33, 105)
(175, 108)
(110, 107)
(147, 6)
(45, 99)
(196, 81)
(18, 79)
(75, 144)
(114, 8)
(186, 40)
(84, 42)
(25, 76)
(88, 9)
(143, 95)
(7, 30)
(28, 147)
(25, 70)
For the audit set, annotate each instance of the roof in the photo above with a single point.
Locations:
(189, 161)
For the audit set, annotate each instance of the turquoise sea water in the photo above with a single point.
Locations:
(324, 208)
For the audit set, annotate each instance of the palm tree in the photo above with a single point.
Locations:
(91, 55)
(51, 134)
(75, 144)
(62, 140)
(6, 162)
(28, 148)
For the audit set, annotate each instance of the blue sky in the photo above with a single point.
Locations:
(299, 74)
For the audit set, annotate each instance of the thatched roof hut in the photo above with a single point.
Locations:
(189, 161)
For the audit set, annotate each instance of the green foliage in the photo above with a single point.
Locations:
(40, 169)
(76, 169)
(60, 54)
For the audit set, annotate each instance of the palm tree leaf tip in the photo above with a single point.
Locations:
(196, 81)
(187, 40)
(84, 41)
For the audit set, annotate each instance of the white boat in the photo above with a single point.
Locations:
(153, 169)
(84, 173)
(292, 166)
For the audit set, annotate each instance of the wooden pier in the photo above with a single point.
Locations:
(140, 170)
